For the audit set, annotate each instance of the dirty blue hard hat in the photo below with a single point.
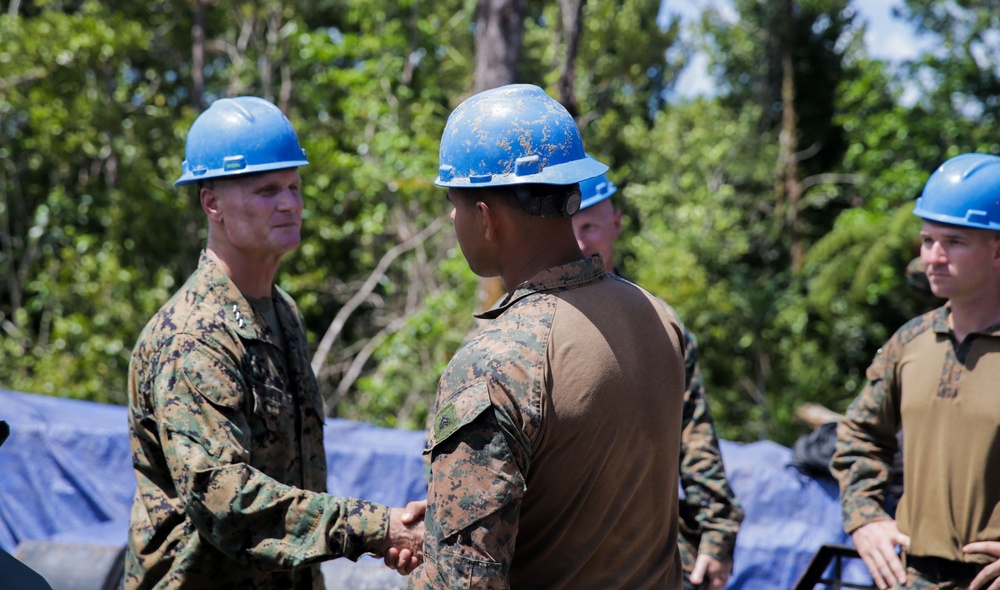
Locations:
(513, 135)
(596, 189)
(237, 136)
(964, 191)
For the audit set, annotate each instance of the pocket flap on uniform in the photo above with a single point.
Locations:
(459, 409)
(473, 471)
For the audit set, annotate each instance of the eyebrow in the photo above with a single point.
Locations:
(947, 234)
(273, 185)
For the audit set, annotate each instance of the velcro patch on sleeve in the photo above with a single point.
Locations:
(460, 408)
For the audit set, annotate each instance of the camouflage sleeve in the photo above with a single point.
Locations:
(709, 501)
(202, 420)
(474, 496)
(866, 442)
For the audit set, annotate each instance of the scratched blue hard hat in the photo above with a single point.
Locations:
(236, 136)
(964, 191)
(512, 135)
(596, 189)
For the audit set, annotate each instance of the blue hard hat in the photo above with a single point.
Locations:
(596, 189)
(515, 134)
(964, 191)
(236, 136)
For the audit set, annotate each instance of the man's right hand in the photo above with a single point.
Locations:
(403, 549)
(876, 543)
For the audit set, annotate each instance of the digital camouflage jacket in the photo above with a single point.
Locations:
(227, 443)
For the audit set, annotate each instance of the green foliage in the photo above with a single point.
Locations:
(83, 252)
(94, 237)
(707, 215)
(395, 390)
(960, 75)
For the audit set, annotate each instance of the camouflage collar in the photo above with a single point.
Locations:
(234, 306)
(558, 277)
(939, 319)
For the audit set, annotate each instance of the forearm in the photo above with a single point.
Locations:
(473, 499)
(708, 496)
(719, 544)
(258, 520)
(479, 556)
(863, 458)
(863, 473)
(222, 462)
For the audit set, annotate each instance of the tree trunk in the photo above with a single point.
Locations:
(198, 55)
(789, 184)
(572, 21)
(499, 30)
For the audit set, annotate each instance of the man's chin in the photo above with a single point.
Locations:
(287, 246)
(939, 290)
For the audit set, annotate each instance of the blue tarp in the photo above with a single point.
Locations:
(66, 476)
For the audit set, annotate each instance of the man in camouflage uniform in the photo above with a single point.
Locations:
(225, 417)
(936, 379)
(554, 444)
(710, 513)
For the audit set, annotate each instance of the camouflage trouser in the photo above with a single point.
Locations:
(914, 581)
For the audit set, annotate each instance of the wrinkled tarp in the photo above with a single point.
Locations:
(66, 476)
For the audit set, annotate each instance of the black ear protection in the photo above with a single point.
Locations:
(553, 204)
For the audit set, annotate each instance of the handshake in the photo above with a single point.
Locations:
(403, 548)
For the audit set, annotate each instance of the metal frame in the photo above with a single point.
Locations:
(821, 560)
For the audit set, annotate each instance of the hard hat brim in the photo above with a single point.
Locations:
(560, 174)
(191, 178)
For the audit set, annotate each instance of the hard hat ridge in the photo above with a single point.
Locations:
(237, 136)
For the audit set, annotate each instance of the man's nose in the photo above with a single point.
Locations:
(935, 252)
(289, 200)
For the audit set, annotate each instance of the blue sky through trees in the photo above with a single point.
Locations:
(887, 37)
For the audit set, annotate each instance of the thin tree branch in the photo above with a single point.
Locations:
(358, 363)
(831, 178)
(340, 320)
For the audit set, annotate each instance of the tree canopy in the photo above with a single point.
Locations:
(773, 214)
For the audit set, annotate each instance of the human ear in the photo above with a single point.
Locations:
(488, 219)
(210, 203)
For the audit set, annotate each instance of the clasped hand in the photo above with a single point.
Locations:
(403, 549)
